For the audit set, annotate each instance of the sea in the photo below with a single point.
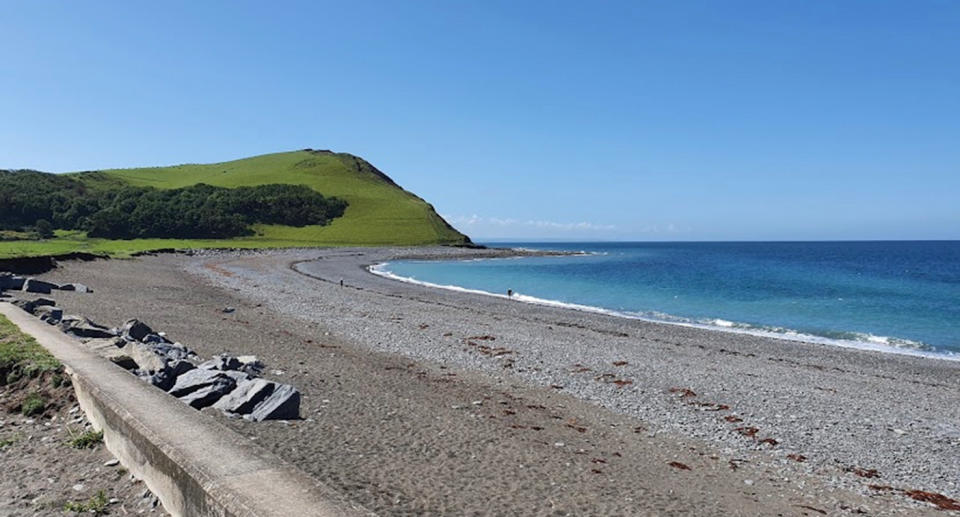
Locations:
(891, 296)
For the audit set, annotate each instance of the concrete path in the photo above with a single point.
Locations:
(195, 465)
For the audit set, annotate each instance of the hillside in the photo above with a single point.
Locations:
(378, 211)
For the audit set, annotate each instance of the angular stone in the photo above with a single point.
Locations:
(31, 305)
(111, 348)
(80, 288)
(174, 351)
(222, 362)
(199, 378)
(202, 388)
(251, 365)
(245, 397)
(282, 404)
(208, 395)
(11, 282)
(33, 285)
(154, 338)
(84, 328)
(167, 377)
(49, 313)
(135, 330)
(105, 343)
(146, 357)
(238, 377)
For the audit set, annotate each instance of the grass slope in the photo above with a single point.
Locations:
(379, 211)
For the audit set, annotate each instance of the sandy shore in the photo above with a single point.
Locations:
(425, 401)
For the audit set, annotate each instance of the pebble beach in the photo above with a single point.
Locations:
(426, 401)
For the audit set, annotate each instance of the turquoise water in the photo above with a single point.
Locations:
(897, 296)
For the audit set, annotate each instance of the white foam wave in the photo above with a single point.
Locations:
(860, 341)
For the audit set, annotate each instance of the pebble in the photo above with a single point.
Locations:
(78, 487)
(111, 463)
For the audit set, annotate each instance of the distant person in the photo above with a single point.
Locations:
(341, 282)
(509, 293)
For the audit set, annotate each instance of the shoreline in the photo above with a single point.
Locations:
(420, 400)
(727, 326)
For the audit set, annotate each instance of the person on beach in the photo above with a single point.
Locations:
(509, 293)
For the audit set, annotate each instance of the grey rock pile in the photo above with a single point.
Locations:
(228, 383)
(11, 282)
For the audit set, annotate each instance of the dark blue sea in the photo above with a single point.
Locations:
(896, 296)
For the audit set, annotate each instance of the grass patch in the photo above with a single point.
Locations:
(21, 356)
(7, 442)
(12, 235)
(96, 505)
(33, 404)
(379, 213)
(85, 440)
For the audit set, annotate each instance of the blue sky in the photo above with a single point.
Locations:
(590, 120)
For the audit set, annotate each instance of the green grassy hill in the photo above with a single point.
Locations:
(379, 211)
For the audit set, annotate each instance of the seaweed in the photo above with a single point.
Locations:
(864, 473)
(684, 392)
(939, 500)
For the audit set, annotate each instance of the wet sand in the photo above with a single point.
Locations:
(424, 401)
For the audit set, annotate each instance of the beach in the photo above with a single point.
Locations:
(419, 400)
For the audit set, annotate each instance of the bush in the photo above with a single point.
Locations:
(33, 404)
(43, 228)
(87, 440)
(96, 505)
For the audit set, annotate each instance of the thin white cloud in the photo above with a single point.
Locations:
(476, 220)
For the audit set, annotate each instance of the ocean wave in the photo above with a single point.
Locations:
(857, 340)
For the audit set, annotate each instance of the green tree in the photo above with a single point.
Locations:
(43, 228)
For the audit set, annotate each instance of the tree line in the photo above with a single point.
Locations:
(38, 202)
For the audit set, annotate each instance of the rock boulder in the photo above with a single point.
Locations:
(246, 396)
(135, 330)
(202, 388)
(33, 285)
(146, 357)
(31, 305)
(80, 288)
(49, 313)
(11, 282)
(83, 328)
(282, 404)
